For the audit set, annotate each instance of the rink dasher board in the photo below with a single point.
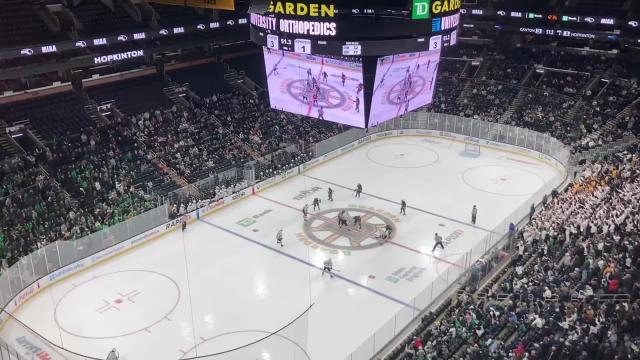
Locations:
(514, 149)
(118, 249)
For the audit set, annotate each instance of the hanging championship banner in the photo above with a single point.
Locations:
(207, 4)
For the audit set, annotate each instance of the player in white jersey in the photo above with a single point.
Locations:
(305, 212)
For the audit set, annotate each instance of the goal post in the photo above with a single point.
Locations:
(471, 148)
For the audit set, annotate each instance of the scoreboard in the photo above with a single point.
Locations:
(330, 28)
(355, 62)
(353, 48)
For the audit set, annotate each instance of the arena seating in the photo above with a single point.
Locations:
(171, 14)
(54, 115)
(205, 80)
(488, 100)
(546, 112)
(133, 96)
(97, 18)
(20, 24)
(563, 83)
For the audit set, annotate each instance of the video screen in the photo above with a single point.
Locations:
(404, 82)
(315, 86)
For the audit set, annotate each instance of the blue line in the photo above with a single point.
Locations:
(397, 203)
(313, 266)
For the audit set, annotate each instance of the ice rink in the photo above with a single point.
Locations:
(225, 283)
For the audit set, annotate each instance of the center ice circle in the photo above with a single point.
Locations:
(324, 229)
(402, 155)
(502, 180)
(117, 304)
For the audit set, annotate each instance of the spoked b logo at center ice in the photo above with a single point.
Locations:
(325, 228)
(328, 96)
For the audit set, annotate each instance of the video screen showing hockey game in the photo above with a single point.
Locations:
(315, 86)
(404, 82)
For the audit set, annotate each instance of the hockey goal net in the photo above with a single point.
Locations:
(471, 148)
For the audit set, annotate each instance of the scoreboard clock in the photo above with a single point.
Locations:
(352, 49)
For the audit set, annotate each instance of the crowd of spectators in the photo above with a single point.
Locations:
(557, 299)
(221, 131)
(546, 111)
(488, 100)
(101, 176)
(561, 100)
(563, 83)
(31, 205)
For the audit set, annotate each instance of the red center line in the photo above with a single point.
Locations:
(388, 241)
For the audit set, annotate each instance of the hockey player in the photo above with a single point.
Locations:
(386, 232)
(279, 238)
(357, 104)
(532, 211)
(305, 211)
(438, 239)
(275, 69)
(316, 204)
(328, 267)
(113, 355)
(309, 73)
(357, 221)
(330, 194)
(474, 213)
(359, 89)
(343, 77)
(184, 223)
(325, 76)
(358, 190)
(342, 218)
(320, 113)
(403, 207)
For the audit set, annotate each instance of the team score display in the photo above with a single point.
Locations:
(273, 42)
(352, 50)
(302, 46)
(454, 38)
(435, 42)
